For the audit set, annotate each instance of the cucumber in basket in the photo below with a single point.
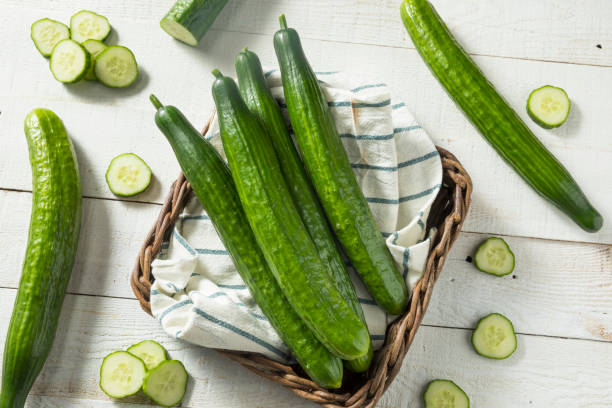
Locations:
(259, 99)
(212, 184)
(279, 230)
(332, 176)
(492, 116)
(445, 394)
(189, 20)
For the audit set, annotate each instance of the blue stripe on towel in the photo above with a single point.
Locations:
(367, 301)
(231, 286)
(402, 199)
(208, 251)
(375, 337)
(362, 87)
(195, 217)
(405, 262)
(183, 242)
(401, 165)
(174, 307)
(398, 105)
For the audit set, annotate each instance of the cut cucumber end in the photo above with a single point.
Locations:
(46, 33)
(121, 374)
(116, 67)
(179, 32)
(548, 106)
(445, 394)
(128, 175)
(150, 352)
(93, 47)
(86, 25)
(166, 384)
(494, 257)
(69, 61)
(494, 337)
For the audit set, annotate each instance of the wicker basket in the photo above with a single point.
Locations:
(358, 391)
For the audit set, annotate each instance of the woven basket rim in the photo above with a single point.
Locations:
(359, 391)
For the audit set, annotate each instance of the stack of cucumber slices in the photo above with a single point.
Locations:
(144, 367)
(79, 52)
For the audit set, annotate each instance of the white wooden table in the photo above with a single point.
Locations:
(559, 298)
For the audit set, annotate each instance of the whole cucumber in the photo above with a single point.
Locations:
(52, 244)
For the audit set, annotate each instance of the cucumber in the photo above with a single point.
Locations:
(52, 244)
(122, 374)
(259, 100)
(212, 184)
(492, 116)
(166, 384)
(150, 352)
(128, 175)
(86, 25)
(281, 234)
(548, 106)
(46, 33)
(494, 337)
(332, 176)
(69, 61)
(93, 47)
(189, 20)
(445, 394)
(495, 257)
(116, 67)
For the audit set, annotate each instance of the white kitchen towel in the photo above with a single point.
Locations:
(199, 297)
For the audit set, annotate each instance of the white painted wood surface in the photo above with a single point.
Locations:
(560, 299)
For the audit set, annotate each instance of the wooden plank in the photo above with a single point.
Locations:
(546, 371)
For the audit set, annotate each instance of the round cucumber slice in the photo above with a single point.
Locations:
(494, 257)
(46, 33)
(178, 31)
(149, 351)
(93, 47)
(69, 61)
(128, 175)
(548, 106)
(445, 394)
(121, 374)
(494, 337)
(116, 67)
(166, 384)
(86, 25)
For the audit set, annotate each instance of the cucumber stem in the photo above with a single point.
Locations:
(155, 102)
(245, 49)
(283, 22)
(217, 73)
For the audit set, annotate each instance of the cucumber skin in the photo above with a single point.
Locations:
(52, 244)
(212, 184)
(535, 117)
(258, 98)
(281, 234)
(197, 16)
(332, 176)
(492, 116)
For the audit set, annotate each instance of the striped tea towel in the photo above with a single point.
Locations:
(199, 297)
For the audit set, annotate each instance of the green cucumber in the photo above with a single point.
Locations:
(494, 257)
(166, 384)
(332, 176)
(492, 116)
(212, 184)
(259, 100)
(128, 175)
(52, 244)
(279, 230)
(69, 61)
(86, 25)
(189, 20)
(122, 374)
(93, 47)
(150, 352)
(548, 106)
(116, 67)
(494, 337)
(445, 394)
(46, 33)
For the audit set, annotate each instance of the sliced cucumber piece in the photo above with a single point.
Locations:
(494, 337)
(495, 257)
(46, 33)
(121, 374)
(116, 67)
(149, 351)
(445, 394)
(93, 47)
(188, 20)
(86, 25)
(128, 175)
(166, 384)
(548, 106)
(69, 61)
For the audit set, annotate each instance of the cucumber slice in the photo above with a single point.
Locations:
(128, 175)
(86, 25)
(93, 47)
(445, 394)
(166, 384)
(548, 106)
(494, 337)
(116, 67)
(495, 257)
(121, 374)
(149, 351)
(69, 61)
(46, 33)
